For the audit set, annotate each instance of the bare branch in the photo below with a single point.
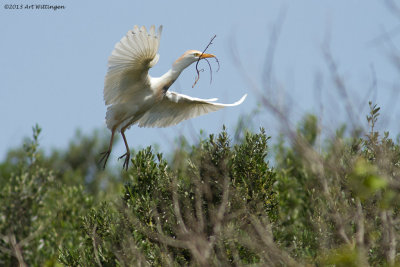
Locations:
(177, 209)
(340, 86)
(96, 253)
(16, 249)
(198, 198)
(389, 237)
(269, 57)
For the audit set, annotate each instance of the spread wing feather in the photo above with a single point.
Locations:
(175, 108)
(129, 64)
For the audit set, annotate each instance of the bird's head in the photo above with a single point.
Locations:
(190, 57)
(196, 55)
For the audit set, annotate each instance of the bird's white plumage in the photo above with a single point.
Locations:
(127, 77)
(175, 108)
(133, 97)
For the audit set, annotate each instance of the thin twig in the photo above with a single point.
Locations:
(96, 253)
(340, 85)
(201, 70)
(177, 208)
(198, 198)
(17, 250)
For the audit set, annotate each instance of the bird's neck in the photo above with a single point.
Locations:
(168, 79)
(178, 66)
(165, 81)
(170, 76)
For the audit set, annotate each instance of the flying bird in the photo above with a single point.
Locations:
(133, 97)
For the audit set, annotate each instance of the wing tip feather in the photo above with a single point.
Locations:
(240, 100)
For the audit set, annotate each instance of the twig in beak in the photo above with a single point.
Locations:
(201, 70)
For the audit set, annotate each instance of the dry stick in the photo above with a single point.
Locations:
(159, 236)
(177, 208)
(17, 247)
(340, 85)
(389, 238)
(17, 251)
(274, 253)
(96, 252)
(198, 198)
(197, 63)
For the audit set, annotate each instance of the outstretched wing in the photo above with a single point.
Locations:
(175, 108)
(129, 64)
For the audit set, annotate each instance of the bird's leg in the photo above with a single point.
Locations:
(107, 153)
(127, 155)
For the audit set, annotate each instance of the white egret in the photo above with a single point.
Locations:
(134, 97)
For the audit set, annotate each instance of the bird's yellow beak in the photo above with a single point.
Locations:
(207, 55)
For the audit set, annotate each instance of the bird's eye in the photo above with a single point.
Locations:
(196, 54)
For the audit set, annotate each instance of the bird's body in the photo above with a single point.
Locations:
(134, 97)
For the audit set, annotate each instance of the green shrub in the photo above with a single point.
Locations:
(212, 204)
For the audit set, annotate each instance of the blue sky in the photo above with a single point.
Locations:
(53, 62)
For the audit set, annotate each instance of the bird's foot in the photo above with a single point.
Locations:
(104, 157)
(127, 156)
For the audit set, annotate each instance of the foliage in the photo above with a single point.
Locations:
(38, 213)
(189, 214)
(211, 204)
